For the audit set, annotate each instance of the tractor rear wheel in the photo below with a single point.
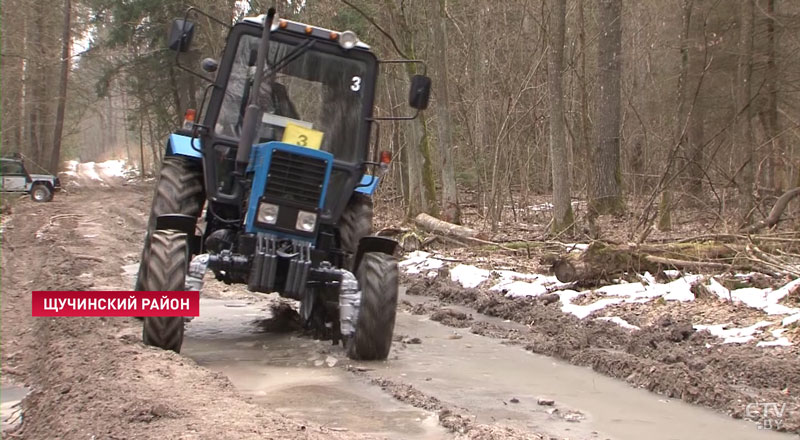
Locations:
(167, 265)
(179, 191)
(378, 281)
(355, 223)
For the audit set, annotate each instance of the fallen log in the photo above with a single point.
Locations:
(600, 262)
(460, 233)
(441, 227)
(603, 261)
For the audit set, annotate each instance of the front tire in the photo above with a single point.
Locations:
(167, 264)
(41, 193)
(179, 191)
(378, 279)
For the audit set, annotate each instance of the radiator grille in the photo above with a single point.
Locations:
(297, 178)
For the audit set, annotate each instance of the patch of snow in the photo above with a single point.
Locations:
(718, 289)
(790, 320)
(582, 311)
(680, 289)
(419, 261)
(672, 273)
(576, 246)
(520, 288)
(620, 322)
(736, 335)
(779, 294)
(780, 342)
(469, 276)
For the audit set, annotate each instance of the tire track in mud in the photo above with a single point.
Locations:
(92, 377)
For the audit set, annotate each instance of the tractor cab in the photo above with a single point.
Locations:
(271, 184)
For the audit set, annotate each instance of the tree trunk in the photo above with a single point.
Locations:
(681, 118)
(775, 179)
(743, 125)
(605, 192)
(13, 46)
(451, 211)
(66, 43)
(696, 125)
(563, 217)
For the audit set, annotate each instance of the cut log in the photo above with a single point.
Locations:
(457, 232)
(433, 224)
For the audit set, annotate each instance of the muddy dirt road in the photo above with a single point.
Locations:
(248, 372)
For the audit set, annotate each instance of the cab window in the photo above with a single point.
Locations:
(12, 168)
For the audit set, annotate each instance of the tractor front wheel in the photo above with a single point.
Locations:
(179, 191)
(167, 264)
(378, 280)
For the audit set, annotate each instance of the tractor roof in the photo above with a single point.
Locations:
(300, 28)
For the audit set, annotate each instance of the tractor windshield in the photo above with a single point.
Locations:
(316, 90)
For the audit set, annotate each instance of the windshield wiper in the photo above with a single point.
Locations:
(291, 56)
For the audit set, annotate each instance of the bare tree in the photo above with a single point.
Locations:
(451, 211)
(744, 108)
(563, 217)
(605, 189)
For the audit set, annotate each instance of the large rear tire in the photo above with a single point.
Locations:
(355, 223)
(378, 280)
(167, 264)
(179, 191)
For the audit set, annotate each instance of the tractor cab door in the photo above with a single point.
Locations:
(14, 176)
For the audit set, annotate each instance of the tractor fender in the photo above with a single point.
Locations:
(368, 184)
(374, 244)
(182, 145)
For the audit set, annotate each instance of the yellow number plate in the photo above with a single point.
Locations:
(304, 137)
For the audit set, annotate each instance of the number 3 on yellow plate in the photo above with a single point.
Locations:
(304, 137)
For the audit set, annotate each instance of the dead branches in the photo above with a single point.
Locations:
(777, 210)
(604, 261)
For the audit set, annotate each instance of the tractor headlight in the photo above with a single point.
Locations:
(306, 221)
(348, 40)
(267, 213)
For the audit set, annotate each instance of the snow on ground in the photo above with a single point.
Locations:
(110, 172)
(516, 284)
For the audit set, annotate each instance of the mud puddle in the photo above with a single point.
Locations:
(297, 376)
(504, 384)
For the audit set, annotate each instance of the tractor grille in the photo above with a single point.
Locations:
(296, 178)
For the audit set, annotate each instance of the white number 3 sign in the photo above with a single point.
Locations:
(356, 86)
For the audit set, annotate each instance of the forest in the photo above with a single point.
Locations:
(661, 113)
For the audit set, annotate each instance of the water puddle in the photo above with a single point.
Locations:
(297, 376)
(499, 384)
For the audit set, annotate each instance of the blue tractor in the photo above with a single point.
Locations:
(272, 185)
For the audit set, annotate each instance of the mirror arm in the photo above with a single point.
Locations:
(178, 52)
(419, 62)
(398, 118)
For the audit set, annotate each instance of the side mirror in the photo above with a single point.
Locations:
(209, 65)
(420, 93)
(180, 35)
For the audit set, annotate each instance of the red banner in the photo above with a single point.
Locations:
(115, 303)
